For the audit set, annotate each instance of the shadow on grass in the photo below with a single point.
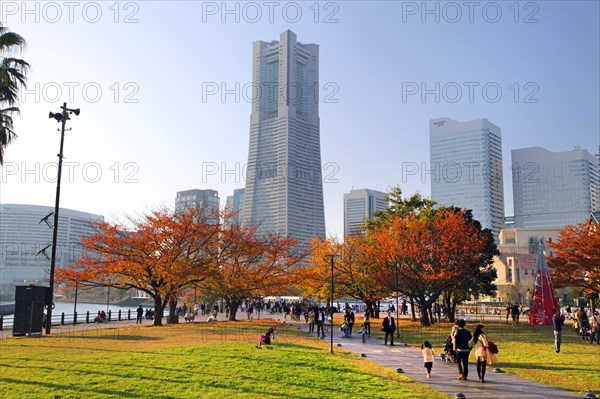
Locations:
(116, 338)
(79, 389)
(537, 366)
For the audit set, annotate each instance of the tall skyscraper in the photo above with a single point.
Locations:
(466, 168)
(197, 199)
(554, 189)
(284, 189)
(359, 206)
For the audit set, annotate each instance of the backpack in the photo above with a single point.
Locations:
(492, 347)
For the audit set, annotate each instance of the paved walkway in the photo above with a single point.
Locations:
(444, 375)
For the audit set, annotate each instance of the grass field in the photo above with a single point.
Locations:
(528, 352)
(191, 361)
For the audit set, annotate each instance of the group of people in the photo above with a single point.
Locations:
(586, 325)
(462, 342)
(100, 317)
(513, 311)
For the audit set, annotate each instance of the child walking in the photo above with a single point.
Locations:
(428, 357)
(363, 333)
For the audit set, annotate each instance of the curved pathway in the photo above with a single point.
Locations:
(444, 375)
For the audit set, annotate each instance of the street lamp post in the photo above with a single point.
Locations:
(397, 315)
(331, 308)
(331, 304)
(62, 118)
(75, 304)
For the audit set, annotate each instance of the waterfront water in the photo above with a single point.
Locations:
(68, 309)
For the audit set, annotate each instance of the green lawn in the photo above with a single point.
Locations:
(527, 351)
(191, 361)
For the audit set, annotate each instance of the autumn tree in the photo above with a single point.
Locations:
(354, 275)
(425, 250)
(160, 254)
(576, 262)
(246, 264)
(479, 276)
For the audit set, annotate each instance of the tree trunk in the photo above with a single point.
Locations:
(173, 316)
(158, 311)
(425, 313)
(233, 304)
(412, 310)
(453, 309)
(369, 307)
(377, 309)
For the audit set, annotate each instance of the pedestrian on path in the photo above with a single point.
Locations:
(595, 321)
(389, 326)
(428, 357)
(363, 333)
(140, 314)
(463, 342)
(367, 322)
(557, 321)
(481, 346)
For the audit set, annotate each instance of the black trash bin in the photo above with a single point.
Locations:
(29, 309)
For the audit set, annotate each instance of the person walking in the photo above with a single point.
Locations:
(311, 320)
(367, 322)
(389, 326)
(481, 345)
(320, 319)
(428, 357)
(462, 341)
(557, 321)
(350, 319)
(140, 314)
(363, 333)
(595, 320)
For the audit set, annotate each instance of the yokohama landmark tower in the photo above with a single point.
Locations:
(284, 190)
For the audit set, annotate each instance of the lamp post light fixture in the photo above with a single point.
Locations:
(331, 256)
(397, 271)
(62, 118)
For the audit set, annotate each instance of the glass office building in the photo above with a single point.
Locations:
(554, 189)
(466, 168)
(23, 235)
(359, 206)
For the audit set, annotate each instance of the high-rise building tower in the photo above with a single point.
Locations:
(466, 168)
(235, 203)
(554, 189)
(359, 206)
(197, 199)
(284, 190)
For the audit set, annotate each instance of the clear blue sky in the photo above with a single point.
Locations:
(148, 150)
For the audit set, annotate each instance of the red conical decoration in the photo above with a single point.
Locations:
(544, 298)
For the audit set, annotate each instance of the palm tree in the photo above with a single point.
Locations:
(13, 73)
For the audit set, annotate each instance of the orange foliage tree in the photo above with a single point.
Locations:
(248, 264)
(160, 254)
(427, 253)
(576, 262)
(354, 275)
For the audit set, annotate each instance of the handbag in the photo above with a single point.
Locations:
(491, 358)
(492, 347)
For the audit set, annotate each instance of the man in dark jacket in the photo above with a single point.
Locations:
(557, 321)
(389, 326)
(349, 319)
(463, 343)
